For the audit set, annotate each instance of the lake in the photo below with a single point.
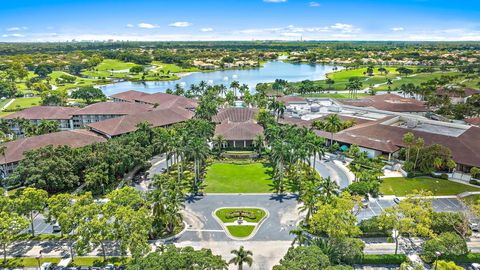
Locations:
(291, 72)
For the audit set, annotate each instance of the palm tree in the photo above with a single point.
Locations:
(258, 142)
(300, 237)
(219, 142)
(235, 85)
(408, 139)
(222, 89)
(316, 145)
(243, 89)
(329, 188)
(241, 256)
(419, 144)
(3, 167)
(333, 124)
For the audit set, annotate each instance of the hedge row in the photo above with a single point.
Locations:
(372, 259)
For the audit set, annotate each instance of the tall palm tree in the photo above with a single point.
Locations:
(419, 143)
(219, 142)
(258, 142)
(316, 145)
(333, 124)
(222, 89)
(329, 188)
(235, 85)
(300, 237)
(243, 89)
(241, 256)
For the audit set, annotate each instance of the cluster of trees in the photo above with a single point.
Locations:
(425, 159)
(367, 172)
(127, 219)
(291, 149)
(63, 168)
(89, 94)
(29, 128)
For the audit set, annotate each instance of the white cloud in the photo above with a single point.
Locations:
(274, 1)
(16, 28)
(397, 29)
(291, 34)
(206, 29)
(147, 25)
(16, 35)
(180, 24)
(314, 4)
(346, 28)
(129, 25)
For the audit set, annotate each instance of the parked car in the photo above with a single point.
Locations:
(396, 200)
(475, 266)
(46, 266)
(109, 267)
(474, 226)
(56, 228)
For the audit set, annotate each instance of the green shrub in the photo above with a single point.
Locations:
(448, 244)
(443, 222)
(467, 258)
(474, 182)
(371, 228)
(383, 259)
(443, 176)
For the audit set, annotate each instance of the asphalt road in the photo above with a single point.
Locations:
(327, 168)
(283, 216)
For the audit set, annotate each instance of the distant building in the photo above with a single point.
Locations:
(388, 102)
(62, 115)
(14, 150)
(456, 94)
(106, 110)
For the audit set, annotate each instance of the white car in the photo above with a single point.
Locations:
(475, 266)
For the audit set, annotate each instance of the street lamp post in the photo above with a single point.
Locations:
(437, 255)
(39, 258)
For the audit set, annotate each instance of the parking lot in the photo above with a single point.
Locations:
(376, 206)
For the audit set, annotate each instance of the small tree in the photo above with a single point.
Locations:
(32, 202)
(241, 256)
(447, 244)
(11, 224)
(475, 172)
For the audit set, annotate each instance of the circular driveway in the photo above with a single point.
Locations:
(202, 226)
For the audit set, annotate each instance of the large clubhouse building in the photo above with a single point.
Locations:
(380, 123)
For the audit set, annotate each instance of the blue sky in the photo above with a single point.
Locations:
(57, 20)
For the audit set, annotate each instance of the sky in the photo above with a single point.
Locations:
(161, 20)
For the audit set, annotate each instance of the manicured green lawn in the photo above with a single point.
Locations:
(238, 178)
(334, 95)
(98, 261)
(401, 186)
(240, 231)
(27, 262)
(109, 64)
(222, 214)
(22, 103)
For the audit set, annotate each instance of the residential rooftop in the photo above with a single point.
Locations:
(388, 102)
(14, 150)
(113, 108)
(44, 112)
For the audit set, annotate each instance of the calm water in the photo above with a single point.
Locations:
(271, 71)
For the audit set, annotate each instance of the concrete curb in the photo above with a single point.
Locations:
(255, 230)
(170, 238)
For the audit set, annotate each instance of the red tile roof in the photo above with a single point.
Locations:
(238, 131)
(292, 99)
(128, 123)
(165, 101)
(130, 95)
(235, 115)
(44, 112)
(114, 108)
(15, 150)
(473, 121)
(388, 102)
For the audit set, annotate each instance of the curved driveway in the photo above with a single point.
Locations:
(328, 168)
